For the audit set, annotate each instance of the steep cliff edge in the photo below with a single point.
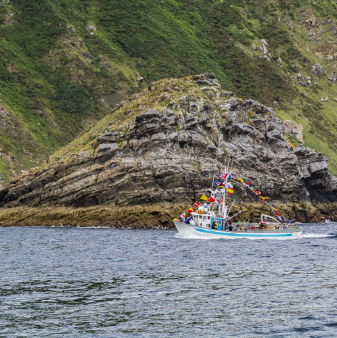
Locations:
(172, 138)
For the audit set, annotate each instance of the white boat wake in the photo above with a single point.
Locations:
(314, 235)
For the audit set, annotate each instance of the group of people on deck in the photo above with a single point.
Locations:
(229, 227)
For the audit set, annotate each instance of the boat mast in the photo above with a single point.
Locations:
(224, 207)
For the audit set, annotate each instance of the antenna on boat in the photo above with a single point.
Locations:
(230, 209)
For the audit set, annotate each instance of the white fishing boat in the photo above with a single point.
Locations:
(213, 220)
(204, 230)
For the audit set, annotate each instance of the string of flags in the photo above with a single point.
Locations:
(230, 190)
(263, 198)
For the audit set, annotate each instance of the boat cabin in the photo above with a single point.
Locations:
(206, 220)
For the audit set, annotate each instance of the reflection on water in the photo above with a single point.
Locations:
(150, 283)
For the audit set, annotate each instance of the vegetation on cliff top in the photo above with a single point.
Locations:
(66, 64)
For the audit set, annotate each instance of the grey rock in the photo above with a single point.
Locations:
(264, 42)
(71, 29)
(151, 86)
(90, 28)
(317, 69)
(293, 129)
(106, 149)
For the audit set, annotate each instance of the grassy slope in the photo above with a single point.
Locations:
(54, 82)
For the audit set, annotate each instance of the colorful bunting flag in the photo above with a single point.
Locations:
(196, 204)
(205, 205)
(217, 182)
(230, 190)
(211, 199)
(203, 197)
(190, 210)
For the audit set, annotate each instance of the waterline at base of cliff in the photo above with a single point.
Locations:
(147, 216)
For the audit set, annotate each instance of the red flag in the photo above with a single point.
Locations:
(223, 175)
(211, 199)
(277, 214)
(196, 204)
(190, 210)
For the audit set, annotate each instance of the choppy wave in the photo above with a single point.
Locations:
(132, 283)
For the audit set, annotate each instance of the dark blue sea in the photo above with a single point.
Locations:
(90, 282)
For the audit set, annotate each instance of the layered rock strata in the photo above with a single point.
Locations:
(170, 154)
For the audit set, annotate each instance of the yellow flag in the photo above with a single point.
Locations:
(240, 179)
(203, 197)
(264, 198)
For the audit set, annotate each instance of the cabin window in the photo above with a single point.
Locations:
(209, 217)
(200, 217)
(205, 218)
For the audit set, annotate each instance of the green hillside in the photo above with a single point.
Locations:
(65, 64)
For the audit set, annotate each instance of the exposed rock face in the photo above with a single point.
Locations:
(293, 129)
(169, 154)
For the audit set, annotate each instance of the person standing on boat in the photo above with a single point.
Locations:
(226, 226)
(238, 228)
(213, 226)
(230, 227)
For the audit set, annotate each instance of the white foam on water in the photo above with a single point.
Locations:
(314, 235)
(178, 235)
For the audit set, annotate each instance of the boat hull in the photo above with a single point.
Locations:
(190, 230)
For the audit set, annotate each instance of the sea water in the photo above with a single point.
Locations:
(66, 282)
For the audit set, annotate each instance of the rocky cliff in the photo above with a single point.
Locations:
(173, 137)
